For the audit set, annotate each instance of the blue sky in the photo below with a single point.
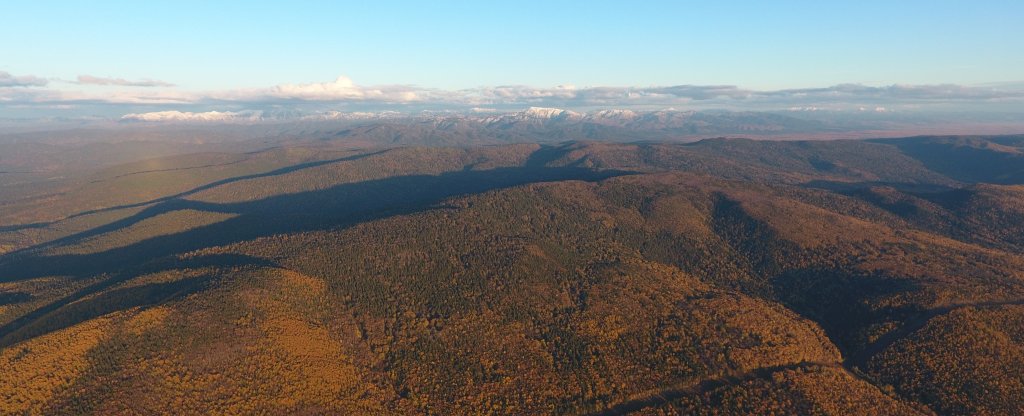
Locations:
(205, 46)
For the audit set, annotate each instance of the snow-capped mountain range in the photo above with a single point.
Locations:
(614, 116)
(530, 124)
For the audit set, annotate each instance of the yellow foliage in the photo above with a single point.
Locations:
(147, 319)
(32, 372)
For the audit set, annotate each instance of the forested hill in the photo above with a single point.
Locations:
(724, 276)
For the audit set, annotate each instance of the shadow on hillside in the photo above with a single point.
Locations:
(840, 301)
(997, 160)
(19, 227)
(339, 206)
(874, 193)
(10, 298)
(913, 324)
(548, 154)
(193, 191)
(907, 203)
(850, 187)
(82, 306)
(836, 298)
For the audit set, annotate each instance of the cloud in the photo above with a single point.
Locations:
(341, 89)
(699, 92)
(901, 92)
(91, 80)
(53, 96)
(8, 80)
(343, 92)
(729, 94)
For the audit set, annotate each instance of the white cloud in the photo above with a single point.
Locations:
(8, 80)
(341, 89)
(55, 96)
(91, 80)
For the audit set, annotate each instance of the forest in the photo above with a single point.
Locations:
(719, 277)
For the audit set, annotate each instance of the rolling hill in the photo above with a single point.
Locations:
(723, 276)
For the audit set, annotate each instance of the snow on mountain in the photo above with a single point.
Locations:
(532, 114)
(209, 116)
(356, 115)
(483, 117)
(612, 116)
(548, 113)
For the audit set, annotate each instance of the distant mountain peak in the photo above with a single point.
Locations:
(549, 113)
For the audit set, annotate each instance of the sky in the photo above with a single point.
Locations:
(108, 57)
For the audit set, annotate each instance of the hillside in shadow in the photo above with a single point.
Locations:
(998, 160)
(335, 207)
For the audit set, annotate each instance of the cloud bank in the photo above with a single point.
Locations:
(341, 89)
(8, 80)
(91, 80)
(164, 98)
